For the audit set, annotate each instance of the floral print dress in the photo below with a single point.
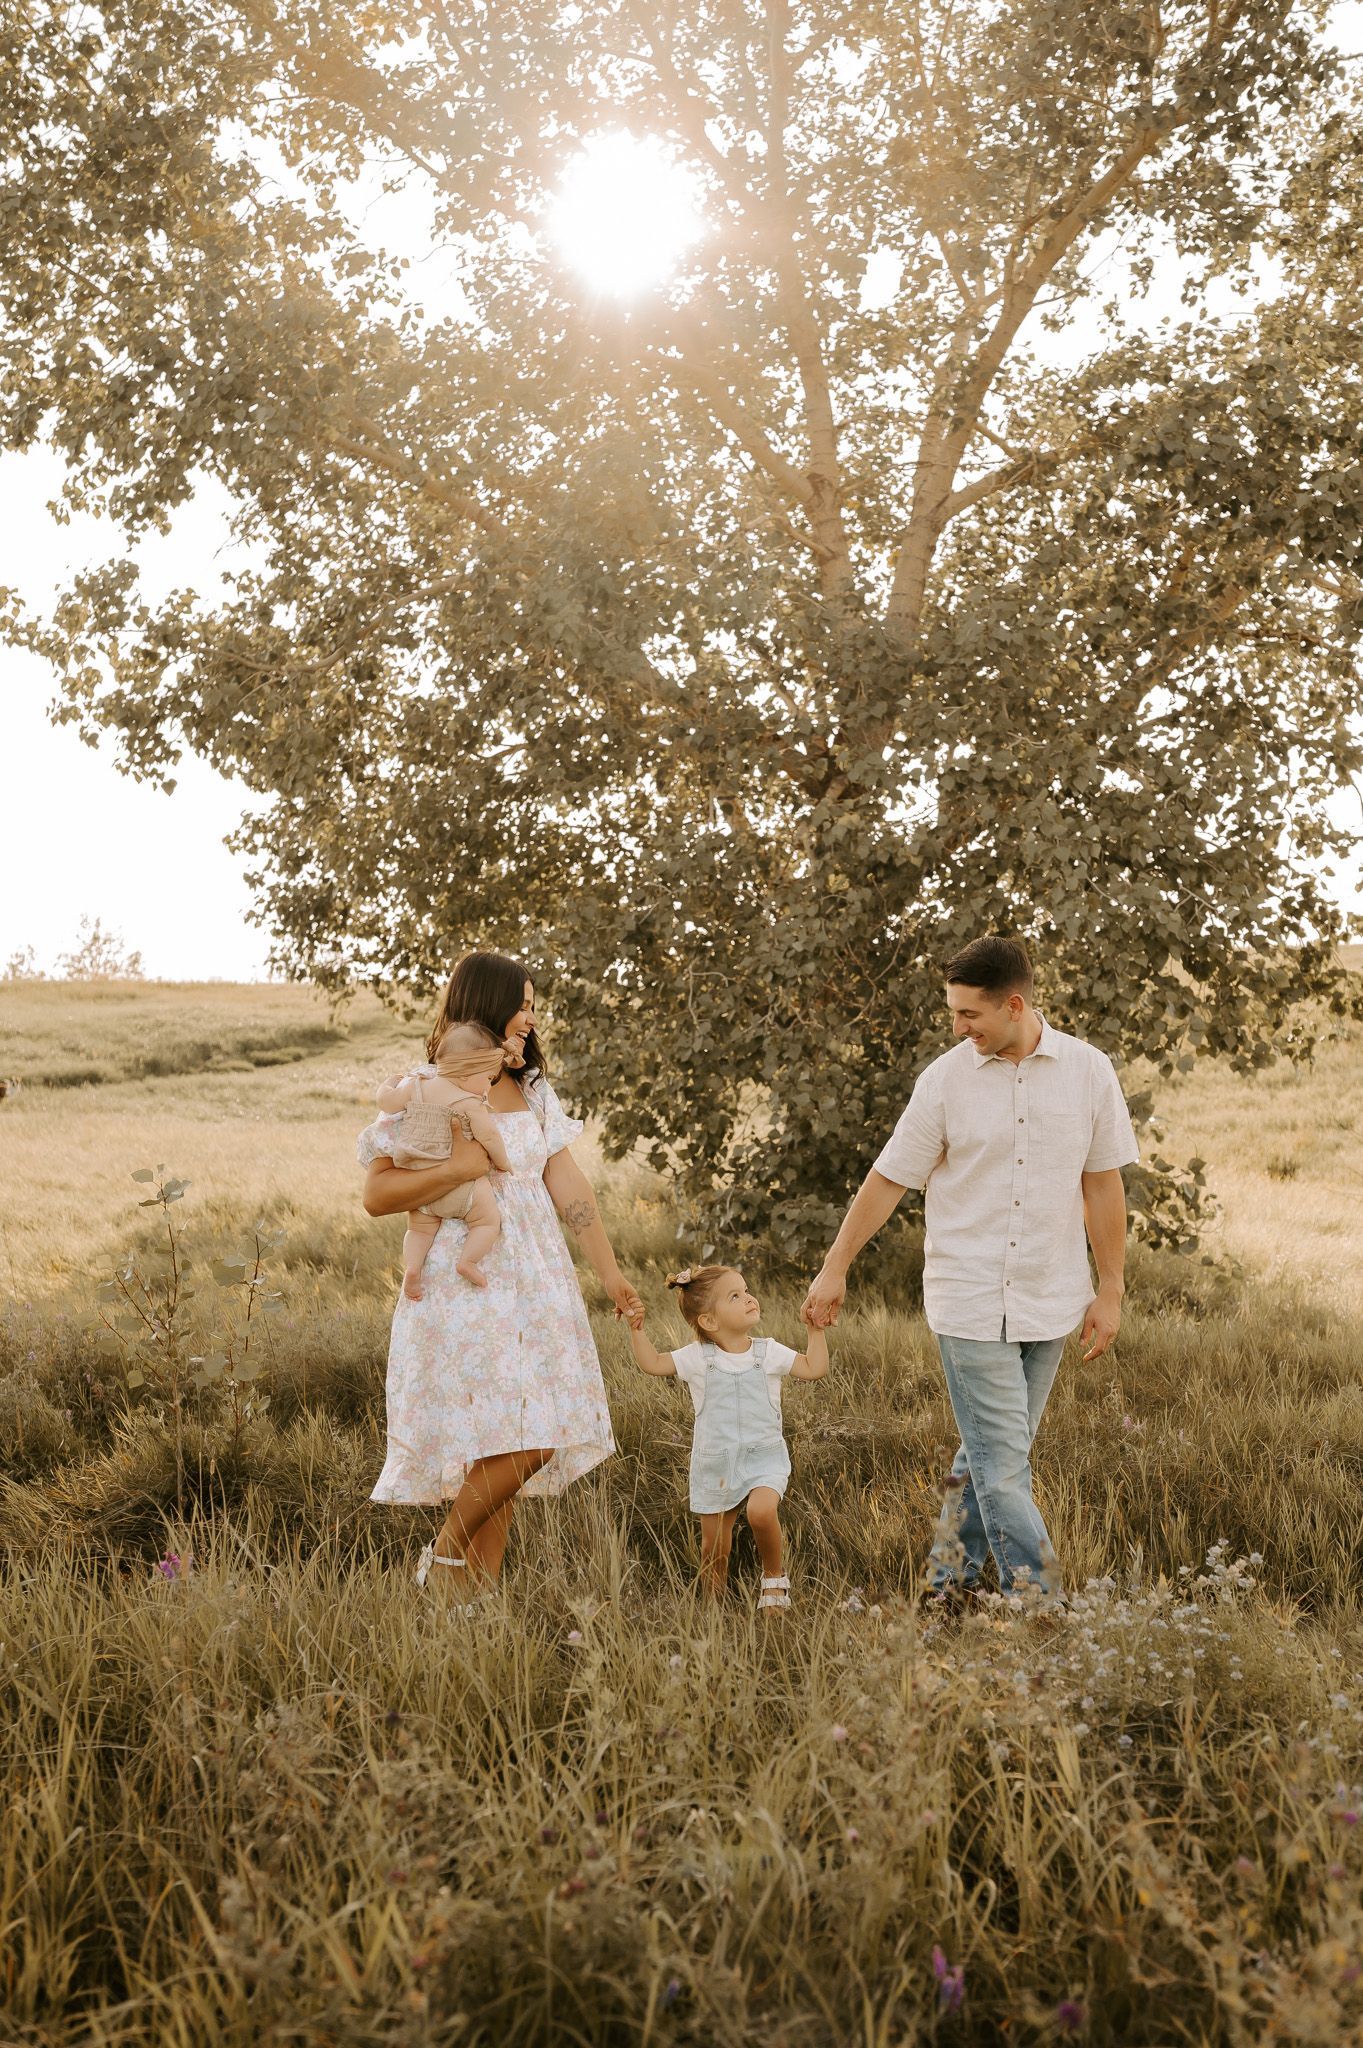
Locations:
(473, 1371)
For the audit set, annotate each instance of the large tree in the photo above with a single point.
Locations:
(737, 651)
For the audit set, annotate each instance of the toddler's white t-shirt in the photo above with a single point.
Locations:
(689, 1366)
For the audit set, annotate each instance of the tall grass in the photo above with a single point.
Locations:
(272, 1793)
(278, 1797)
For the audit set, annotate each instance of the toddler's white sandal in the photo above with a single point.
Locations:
(774, 1593)
(429, 1558)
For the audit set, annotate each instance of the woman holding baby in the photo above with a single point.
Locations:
(493, 1390)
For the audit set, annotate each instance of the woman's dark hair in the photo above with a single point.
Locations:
(488, 989)
(997, 965)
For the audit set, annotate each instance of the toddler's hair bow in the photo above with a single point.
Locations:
(682, 1279)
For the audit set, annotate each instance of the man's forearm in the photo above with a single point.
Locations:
(1105, 1221)
(874, 1203)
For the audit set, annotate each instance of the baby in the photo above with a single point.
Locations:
(738, 1453)
(468, 1060)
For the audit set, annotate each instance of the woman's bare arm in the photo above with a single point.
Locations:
(571, 1193)
(391, 1190)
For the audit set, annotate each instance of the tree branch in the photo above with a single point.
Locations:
(1024, 465)
(1215, 613)
(382, 456)
(963, 386)
(824, 470)
(736, 420)
(690, 112)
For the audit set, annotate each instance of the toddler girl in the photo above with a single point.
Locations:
(738, 1452)
(468, 1060)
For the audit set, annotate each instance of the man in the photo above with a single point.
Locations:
(1018, 1136)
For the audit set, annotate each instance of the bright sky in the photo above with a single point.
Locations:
(77, 839)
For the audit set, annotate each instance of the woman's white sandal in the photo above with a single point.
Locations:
(429, 1558)
(775, 1593)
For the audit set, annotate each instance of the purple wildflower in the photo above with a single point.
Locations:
(1070, 2015)
(169, 1565)
(950, 1982)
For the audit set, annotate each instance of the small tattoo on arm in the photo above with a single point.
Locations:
(580, 1215)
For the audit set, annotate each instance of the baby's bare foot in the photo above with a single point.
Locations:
(412, 1287)
(473, 1274)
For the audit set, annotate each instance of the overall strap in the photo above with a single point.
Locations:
(417, 1097)
(759, 1350)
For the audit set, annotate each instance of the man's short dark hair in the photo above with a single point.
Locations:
(999, 966)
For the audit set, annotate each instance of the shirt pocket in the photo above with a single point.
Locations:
(1063, 1139)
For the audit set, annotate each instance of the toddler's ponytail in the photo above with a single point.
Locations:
(695, 1287)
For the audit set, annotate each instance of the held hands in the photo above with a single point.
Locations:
(1101, 1321)
(823, 1303)
(627, 1303)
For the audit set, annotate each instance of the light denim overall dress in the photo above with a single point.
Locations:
(738, 1442)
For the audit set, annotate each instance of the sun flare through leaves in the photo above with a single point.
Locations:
(624, 214)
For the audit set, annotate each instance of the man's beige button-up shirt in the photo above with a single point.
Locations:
(999, 1151)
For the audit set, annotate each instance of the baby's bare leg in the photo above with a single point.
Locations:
(419, 1237)
(484, 1229)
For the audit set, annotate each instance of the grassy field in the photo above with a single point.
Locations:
(272, 1795)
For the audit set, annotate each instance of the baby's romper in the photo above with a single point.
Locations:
(425, 1136)
(738, 1442)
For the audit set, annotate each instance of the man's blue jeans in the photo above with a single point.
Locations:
(998, 1393)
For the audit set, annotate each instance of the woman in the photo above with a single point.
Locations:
(497, 1390)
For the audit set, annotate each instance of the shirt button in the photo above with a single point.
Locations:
(1013, 1242)
(1022, 1119)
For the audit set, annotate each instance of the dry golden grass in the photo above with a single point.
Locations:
(1285, 1153)
(269, 1135)
(277, 1797)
